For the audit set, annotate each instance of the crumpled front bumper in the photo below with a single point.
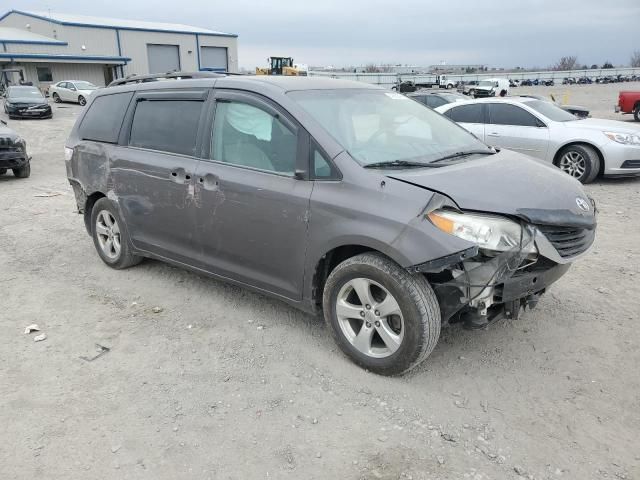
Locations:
(475, 286)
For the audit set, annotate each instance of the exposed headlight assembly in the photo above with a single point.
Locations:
(624, 138)
(490, 232)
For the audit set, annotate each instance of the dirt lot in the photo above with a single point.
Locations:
(206, 380)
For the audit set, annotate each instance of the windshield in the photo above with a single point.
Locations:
(24, 92)
(375, 126)
(85, 86)
(551, 111)
(487, 83)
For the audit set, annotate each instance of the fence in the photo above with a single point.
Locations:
(390, 79)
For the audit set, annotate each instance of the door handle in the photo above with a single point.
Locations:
(209, 181)
(180, 175)
(493, 134)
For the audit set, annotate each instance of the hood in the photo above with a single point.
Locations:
(508, 183)
(603, 125)
(27, 101)
(6, 132)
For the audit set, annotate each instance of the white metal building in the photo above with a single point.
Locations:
(49, 47)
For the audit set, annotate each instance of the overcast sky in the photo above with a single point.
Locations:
(509, 33)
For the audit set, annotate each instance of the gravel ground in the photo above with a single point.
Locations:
(206, 380)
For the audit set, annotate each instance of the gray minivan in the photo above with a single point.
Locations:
(333, 196)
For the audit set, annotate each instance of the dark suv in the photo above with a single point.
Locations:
(332, 196)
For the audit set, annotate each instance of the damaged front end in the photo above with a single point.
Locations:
(510, 266)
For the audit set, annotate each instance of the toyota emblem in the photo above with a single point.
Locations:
(582, 204)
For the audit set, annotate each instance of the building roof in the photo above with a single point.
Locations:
(16, 35)
(105, 22)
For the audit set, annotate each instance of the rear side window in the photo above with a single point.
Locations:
(434, 101)
(166, 125)
(466, 113)
(506, 114)
(103, 120)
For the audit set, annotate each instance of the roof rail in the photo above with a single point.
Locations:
(164, 76)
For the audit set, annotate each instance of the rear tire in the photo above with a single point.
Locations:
(582, 162)
(636, 113)
(402, 325)
(82, 101)
(23, 172)
(110, 236)
(3, 171)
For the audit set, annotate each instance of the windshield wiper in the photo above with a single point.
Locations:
(464, 154)
(398, 164)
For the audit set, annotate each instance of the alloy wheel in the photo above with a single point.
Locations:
(108, 234)
(370, 317)
(573, 163)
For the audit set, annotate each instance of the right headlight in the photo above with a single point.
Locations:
(624, 138)
(491, 232)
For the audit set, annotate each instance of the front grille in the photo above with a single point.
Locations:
(7, 144)
(568, 241)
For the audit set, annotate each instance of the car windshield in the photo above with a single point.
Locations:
(551, 111)
(376, 126)
(24, 92)
(85, 86)
(486, 83)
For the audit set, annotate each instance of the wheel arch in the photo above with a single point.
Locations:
(88, 207)
(332, 258)
(556, 156)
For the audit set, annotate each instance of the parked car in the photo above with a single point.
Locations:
(465, 86)
(526, 83)
(514, 83)
(435, 99)
(330, 195)
(405, 87)
(490, 88)
(577, 110)
(76, 91)
(26, 102)
(568, 81)
(584, 80)
(629, 102)
(13, 153)
(583, 148)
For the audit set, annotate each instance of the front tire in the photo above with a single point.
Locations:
(110, 236)
(82, 101)
(582, 162)
(636, 113)
(23, 172)
(56, 98)
(385, 319)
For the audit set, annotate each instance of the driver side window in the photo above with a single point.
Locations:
(248, 136)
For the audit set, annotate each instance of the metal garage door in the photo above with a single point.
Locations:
(163, 58)
(213, 58)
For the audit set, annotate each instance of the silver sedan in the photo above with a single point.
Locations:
(583, 148)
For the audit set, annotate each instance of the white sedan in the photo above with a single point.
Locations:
(583, 148)
(76, 91)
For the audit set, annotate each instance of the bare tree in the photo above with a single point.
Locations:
(371, 68)
(635, 59)
(566, 63)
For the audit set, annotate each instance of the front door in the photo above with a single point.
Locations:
(252, 209)
(510, 126)
(153, 172)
